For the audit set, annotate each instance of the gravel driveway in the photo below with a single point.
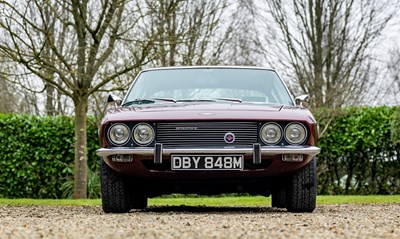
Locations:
(328, 221)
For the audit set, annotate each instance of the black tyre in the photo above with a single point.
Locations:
(279, 198)
(114, 192)
(301, 192)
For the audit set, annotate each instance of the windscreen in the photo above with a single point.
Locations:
(180, 84)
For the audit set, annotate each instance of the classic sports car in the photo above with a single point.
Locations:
(208, 130)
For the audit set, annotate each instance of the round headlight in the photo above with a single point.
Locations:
(143, 134)
(118, 134)
(271, 133)
(295, 133)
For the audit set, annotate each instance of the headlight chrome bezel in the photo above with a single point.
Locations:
(147, 142)
(301, 127)
(280, 133)
(118, 142)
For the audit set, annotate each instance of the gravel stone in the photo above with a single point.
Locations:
(327, 221)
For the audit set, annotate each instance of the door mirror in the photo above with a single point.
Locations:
(303, 101)
(113, 99)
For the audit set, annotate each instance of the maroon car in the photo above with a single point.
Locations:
(208, 130)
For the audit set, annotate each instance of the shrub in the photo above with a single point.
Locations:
(357, 154)
(37, 155)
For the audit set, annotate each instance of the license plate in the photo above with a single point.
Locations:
(207, 162)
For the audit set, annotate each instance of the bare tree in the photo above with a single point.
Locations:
(14, 96)
(10, 99)
(327, 45)
(67, 44)
(394, 73)
(243, 46)
(185, 32)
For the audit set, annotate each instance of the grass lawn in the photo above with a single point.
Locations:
(211, 201)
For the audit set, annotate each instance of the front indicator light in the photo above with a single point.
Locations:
(122, 158)
(294, 158)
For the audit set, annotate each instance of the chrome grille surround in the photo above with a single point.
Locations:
(209, 133)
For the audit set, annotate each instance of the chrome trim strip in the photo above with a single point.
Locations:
(265, 150)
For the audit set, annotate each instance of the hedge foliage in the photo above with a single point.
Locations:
(37, 155)
(358, 156)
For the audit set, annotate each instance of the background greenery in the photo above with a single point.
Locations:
(37, 157)
(359, 155)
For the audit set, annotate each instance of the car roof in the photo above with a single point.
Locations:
(207, 67)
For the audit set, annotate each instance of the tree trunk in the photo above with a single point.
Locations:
(80, 169)
(50, 108)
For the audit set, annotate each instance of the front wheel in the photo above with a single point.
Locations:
(114, 191)
(301, 192)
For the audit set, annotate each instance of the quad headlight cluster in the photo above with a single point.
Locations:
(142, 134)
(272, 133)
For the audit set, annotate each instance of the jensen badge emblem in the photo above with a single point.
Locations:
(229, 138)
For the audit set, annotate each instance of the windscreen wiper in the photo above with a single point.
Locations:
(230, 99)
(212, 100)
(196, 100)
(147, 101)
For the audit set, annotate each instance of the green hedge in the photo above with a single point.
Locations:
(358, 156)
(37, 155)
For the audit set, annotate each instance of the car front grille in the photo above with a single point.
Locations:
(206, 133)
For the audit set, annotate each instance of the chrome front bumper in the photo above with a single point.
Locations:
(257, 151)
